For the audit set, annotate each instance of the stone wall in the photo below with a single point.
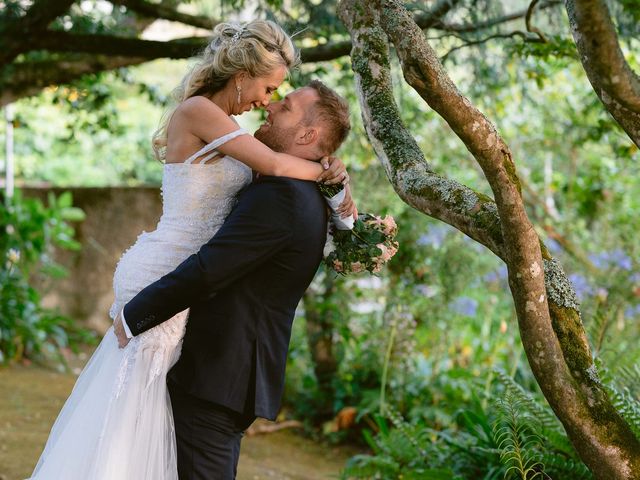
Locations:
(115, 218)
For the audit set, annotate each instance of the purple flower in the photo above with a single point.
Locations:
(621, 259)
(632, 311)
(426, 290)
(464, 306)
(500, 274)
(553, 246)
(599, 260)
(435, 236)
(612, 259)
(581, 286)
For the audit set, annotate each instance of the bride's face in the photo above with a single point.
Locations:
(257, 91)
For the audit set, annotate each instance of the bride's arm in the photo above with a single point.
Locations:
(207, 121)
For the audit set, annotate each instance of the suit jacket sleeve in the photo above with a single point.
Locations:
(256, 229)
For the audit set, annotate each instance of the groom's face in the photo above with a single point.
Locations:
(285, 120)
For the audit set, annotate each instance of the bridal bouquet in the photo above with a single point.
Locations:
(366, 247)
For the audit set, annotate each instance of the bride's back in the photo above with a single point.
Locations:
(196, 199)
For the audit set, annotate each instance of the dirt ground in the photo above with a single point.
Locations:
(30, 398)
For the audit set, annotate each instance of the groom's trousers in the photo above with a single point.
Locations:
(208, 437)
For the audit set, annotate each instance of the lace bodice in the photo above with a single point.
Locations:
(196, 199)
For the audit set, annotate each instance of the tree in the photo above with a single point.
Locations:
(55, 42)
(613, 80)
(546, 306)
(320, 313)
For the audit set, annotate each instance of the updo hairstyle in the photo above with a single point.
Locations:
(258, 47)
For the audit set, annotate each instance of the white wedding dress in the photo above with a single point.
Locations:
(117, 423)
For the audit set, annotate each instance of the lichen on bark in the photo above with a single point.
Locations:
(559, 288)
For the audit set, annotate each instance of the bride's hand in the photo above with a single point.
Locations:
(335, 171)
(118, 329)
(348, 206)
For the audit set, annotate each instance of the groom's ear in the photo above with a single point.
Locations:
(309, 136)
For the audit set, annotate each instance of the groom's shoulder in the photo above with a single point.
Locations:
(284, 193)
(266, 183)
(292, 185)
(269, 190)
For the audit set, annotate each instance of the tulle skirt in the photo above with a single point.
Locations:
(117, 424)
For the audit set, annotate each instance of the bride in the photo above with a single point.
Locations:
(117, 423)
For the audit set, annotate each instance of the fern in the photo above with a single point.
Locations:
(405, 452)
(544, 416)
(627, 405)
(629, 375)
(624, 398)
(550, 427)
(600, 323)
(368, 466)
(553, 450)
(405, 429)
(517, 437)
(560, 467)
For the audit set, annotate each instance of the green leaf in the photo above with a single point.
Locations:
(72, 214)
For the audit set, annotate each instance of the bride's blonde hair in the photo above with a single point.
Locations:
(257, 47)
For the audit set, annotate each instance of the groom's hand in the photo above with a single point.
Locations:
(348, 207)
(118, 329)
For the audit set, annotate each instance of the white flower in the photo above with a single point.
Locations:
(10, 229)
(13, 255)
(329, 246)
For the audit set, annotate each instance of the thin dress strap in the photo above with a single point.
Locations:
(210, 147)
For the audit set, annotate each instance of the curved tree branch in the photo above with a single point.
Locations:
(613, 80)
(139, 50)
(474, 27)
(59, 41)
(158, 10)
(470, 43)
(28, 78)
(32, 24)
(529, 24)
(550, 324)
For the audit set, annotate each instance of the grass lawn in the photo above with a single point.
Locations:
(31, 397)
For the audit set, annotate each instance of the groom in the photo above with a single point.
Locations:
(243, 287)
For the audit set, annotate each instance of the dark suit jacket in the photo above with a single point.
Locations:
(243, 287)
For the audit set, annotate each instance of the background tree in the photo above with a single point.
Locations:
(56, 42)
(548, 313)
(616, 84)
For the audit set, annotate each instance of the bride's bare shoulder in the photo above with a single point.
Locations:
(199, 107)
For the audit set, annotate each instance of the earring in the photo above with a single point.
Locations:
(239, 89)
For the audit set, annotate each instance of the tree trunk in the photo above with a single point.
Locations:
(617, 86)
(546, 305)
(320, 317)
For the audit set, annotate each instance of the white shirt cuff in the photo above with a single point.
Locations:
(124, 324)
(334, 202)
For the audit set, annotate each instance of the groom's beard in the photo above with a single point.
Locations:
(277, 139)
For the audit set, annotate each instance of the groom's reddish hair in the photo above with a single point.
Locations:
(332, 111)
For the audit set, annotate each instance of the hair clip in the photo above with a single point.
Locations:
(236, 36)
